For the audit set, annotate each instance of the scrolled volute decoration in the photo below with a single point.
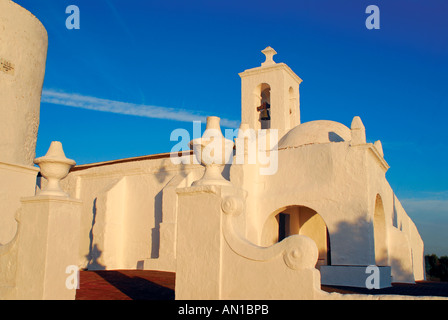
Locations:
(232, 205)
(301, 253)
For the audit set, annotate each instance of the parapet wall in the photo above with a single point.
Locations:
(23, 53)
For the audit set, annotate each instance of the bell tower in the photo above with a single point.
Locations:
(270, 96)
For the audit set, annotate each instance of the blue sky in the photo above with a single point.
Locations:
(179, 60)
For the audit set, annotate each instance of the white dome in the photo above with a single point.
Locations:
(314, 132)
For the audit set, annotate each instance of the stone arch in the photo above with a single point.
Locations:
(302, 220)
(380, 233)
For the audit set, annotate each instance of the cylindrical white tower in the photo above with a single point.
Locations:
(23, 53)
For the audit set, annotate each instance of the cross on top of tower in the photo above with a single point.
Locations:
(269, 53)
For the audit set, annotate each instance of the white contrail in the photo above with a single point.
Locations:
(104, 105)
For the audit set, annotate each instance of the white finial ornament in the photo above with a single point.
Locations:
(212, 150)
(54, 167)
(269, 53)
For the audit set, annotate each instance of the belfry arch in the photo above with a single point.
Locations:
(301, 220)
(262, 104)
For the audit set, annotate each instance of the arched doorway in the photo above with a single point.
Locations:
(300, 220)
(380, 234)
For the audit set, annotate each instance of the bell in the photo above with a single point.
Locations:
(264, 115)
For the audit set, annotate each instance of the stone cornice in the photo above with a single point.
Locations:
(18, 167)
(51, 199)
(374, 152)
(280, 66)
